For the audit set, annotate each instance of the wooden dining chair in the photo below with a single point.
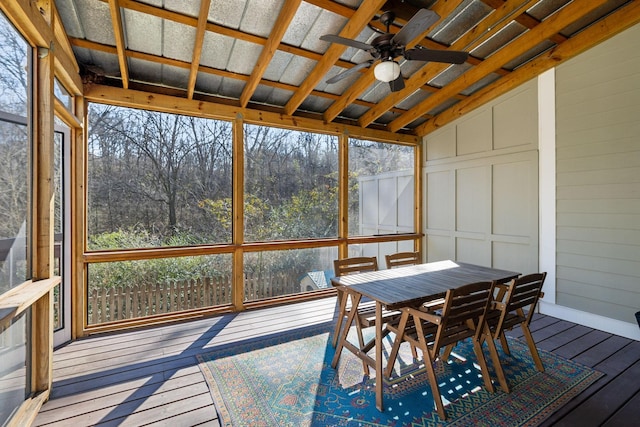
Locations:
(515, 305)
(462, 317)
(400, 259)
(366, 311)
(342, 267)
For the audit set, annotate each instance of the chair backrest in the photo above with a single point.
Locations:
(342, 267)
(402, 258)
(463, 313)
(520, 301)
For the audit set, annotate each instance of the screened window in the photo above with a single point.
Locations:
(62, 94)
(290, 184)
(15, 156)
(157, 179)
(14, 374)
(381, 188)
(133, 289)
(271, 274)
(15, 176)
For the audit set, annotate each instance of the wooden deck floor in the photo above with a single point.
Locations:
(151, 376)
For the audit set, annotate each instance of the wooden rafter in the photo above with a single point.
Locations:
(197, 47)
(61, 38)
(288, 11)
(353, 27)
(118, 32)
(332, 6)
(527, 41)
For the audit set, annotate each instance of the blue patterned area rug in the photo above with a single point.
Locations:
(287, 380)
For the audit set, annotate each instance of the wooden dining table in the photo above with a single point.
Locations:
(393, 289)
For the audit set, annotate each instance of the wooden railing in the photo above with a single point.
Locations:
(134, 301)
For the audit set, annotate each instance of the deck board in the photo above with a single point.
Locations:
(150, 376)
(597, 408)
(628, 412)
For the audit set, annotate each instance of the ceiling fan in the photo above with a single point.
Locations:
(387, 47)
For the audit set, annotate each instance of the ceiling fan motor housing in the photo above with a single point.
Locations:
(383, 48)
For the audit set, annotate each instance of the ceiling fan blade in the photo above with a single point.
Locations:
(397, 84)
(349, 72)
(348, 42)
(433, 55)
(416, 25)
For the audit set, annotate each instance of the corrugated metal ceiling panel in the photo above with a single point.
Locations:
(143, 32)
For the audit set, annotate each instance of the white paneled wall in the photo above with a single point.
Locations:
(481, 185)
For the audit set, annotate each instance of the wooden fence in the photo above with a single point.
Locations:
(129, 302)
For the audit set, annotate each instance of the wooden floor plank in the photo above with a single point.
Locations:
(157, 409)
(201, 417)
(598, 408)
(572, 349)
(151, 377)
(630, 411)
(551, 330)
(618, 360)
(600, 352)
(96, 397)
(562, 338)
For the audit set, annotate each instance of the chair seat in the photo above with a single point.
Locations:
(453, 333)
(510, 320)
(367, 314)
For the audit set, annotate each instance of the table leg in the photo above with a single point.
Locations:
(379, 374)
(404, 319)
(342, 300)
(355, 300)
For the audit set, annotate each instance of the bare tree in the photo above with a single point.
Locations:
(161, 166)
(13, 64)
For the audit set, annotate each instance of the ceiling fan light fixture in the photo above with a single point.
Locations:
(387, 71)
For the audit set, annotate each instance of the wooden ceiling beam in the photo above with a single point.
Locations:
(622, 19)
(552, 25)
(197, 46)
(352, 28)
(170, 104)
(332, 6)
(481, 32)
(288, 11)
(62, 39)
(118, 33)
